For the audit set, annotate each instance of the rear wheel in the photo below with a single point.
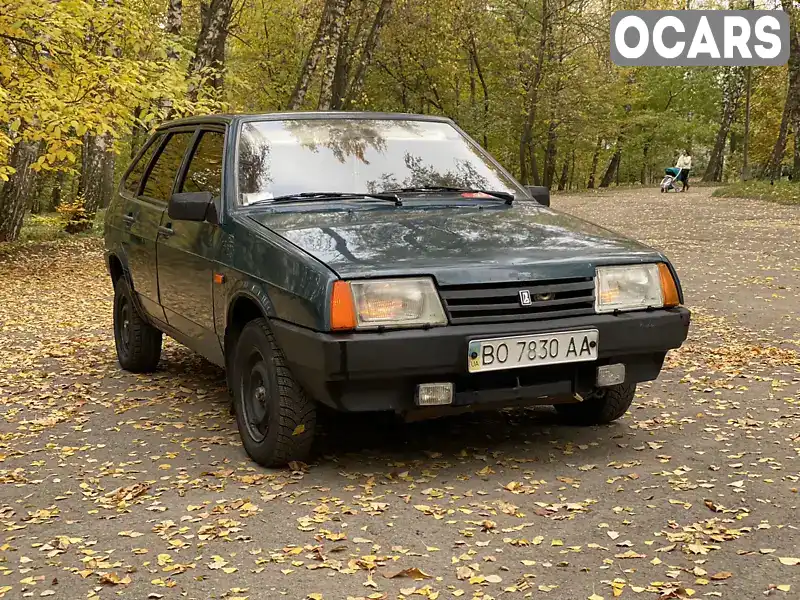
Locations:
(138, 343)
(276, 419)
(603, 406)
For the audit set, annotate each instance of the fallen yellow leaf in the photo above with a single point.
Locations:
(412, 572)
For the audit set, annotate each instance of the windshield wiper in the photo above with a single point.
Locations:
(509, 198)
(390, 197)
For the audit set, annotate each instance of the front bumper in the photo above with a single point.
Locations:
(380, 371)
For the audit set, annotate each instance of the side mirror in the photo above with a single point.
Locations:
(192, 206)
(539, 193)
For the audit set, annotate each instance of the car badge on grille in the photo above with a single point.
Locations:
(525, 298)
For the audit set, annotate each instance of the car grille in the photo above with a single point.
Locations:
(500, 303)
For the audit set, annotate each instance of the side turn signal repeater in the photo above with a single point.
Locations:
(668, 287)
(343, 310)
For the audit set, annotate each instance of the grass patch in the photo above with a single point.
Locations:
(783, 192)
(50, 226)
(47, 228)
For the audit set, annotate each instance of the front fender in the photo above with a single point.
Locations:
(237, 288)
(284, 283)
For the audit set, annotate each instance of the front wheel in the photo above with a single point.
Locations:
(275, 418)
(603, 406)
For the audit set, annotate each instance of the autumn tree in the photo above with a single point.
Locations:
(791, 107)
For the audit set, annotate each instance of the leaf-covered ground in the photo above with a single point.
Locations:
(781, 192)
(116, 485)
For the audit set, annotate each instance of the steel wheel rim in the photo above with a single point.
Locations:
(255, 394)
(124, 324)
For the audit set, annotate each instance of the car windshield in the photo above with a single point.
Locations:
(280, 158)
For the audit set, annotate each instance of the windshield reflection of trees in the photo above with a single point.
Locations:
(465, 175)
(348, 138)
(353, 140)
(254, 153)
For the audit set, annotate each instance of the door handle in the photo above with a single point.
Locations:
(166, 229)
(129, 218)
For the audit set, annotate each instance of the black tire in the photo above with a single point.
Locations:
(603, 406)
(138, 343)
(276, 419)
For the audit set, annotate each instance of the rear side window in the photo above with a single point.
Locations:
(162, 176)
(135, 176)
(205, 169)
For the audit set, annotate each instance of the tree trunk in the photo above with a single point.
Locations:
(473, 86)
(36, 195)
(218, 80)
(91, 187)
(484, 88)
(15, 194)
(535, 166)
(595, 159)
(732, 89)
(572, 170)
(613, 165)
(791, 109)
(526, 141)
(796, 164)
(643, 175)
(58, 185)
(370, 46)
(562, 181)
(172, 27)
(746, 144)
(341, 73)
(550, 155)
(312, 58)
(109, 163)
(331, 47)
(772, 168)
(210, 48)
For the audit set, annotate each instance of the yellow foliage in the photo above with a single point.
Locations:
(71, 210)
(77, 67)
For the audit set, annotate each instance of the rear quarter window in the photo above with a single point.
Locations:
(134, 177)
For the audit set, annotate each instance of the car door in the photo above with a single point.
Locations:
(139, 219)
(187, 250)
(120, 230)
(144, 215)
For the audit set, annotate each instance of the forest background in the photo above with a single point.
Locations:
(83, 82)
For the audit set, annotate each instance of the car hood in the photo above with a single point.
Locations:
(456, 244)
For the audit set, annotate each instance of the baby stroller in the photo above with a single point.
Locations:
(671, 180)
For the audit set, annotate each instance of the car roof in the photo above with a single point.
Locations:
(224, 119)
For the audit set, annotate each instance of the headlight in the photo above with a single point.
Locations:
(370, 304)
(633, 287)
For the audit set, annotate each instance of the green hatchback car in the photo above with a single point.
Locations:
(375, 262)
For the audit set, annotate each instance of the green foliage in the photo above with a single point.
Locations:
(77, 67)
(781, 192)
(48, 227)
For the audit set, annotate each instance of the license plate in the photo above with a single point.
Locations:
(519, 351)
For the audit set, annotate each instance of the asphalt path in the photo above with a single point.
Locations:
(117, 485)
